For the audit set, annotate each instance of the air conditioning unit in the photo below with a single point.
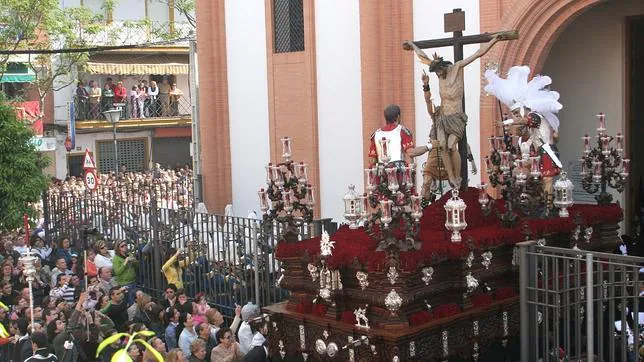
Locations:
(50, 133)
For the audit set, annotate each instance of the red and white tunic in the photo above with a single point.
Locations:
(542, 133)
(400, 140)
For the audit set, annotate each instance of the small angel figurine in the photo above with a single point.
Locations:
(361, 316)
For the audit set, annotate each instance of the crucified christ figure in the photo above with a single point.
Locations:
(450, 118)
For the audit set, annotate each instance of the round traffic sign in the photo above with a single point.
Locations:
(90, 180)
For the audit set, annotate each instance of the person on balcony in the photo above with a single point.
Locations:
(120, 93)
(94, 99)
(152, 108)
(164, 97)
(134, 96)
(107, 98)
(82, 97)
(110, 83)
(175, 96)
(141, 100)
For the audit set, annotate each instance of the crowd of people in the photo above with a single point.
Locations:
(77, 304)
(141, 101)
(171, 188)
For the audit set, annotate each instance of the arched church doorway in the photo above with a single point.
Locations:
(593, 50)
(594, 65)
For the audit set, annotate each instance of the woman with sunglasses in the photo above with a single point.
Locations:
(125, 269)
(227, 350)
(103, 257)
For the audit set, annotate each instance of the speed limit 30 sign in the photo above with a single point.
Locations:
(90, 180)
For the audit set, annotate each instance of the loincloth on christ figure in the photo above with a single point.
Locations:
(450, 124)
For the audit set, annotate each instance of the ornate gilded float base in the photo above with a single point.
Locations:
(471, 335)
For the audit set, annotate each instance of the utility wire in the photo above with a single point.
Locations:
(91, 49)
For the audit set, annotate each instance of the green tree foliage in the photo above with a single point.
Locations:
(43, 25)
(184, 7)
(21, 177)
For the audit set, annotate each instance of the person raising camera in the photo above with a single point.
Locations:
(125, 269)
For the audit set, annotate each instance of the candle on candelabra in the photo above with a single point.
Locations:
(597, 172)
(263, 202)
(505, 161)
(301, 174)
(535, 170)
(287, 200)
(309, 198)
(286, 148)
(392, 179)
(619, 140)
(586, 139)
(484, 199)
(492, 142)
(602, 124)
(488, 166)
(584, 169)
(269, 173)
(406, 179)
(416, 209)
(278, 177)
(372, 182)
(499, 142)
(384, 146)
(365, 205)
(626, 167)
(521, 176)
(385, 207)
(605, 140)
(412, 174)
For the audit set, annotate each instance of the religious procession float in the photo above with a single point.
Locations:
(403, 282)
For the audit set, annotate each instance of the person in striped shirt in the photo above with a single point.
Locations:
(63, 289)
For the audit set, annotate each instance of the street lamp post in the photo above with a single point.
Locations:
(113, 116)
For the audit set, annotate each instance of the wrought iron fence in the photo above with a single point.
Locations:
(163, 106)
(580, 306)
(230, 259)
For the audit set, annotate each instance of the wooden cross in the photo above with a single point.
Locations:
(455, 23)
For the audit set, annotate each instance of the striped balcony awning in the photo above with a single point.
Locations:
(17, 78)
(137, 64)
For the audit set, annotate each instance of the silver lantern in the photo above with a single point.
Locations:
(455, 216)
(352, 207)
(563, 194)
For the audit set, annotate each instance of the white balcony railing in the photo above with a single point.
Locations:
(128, 32)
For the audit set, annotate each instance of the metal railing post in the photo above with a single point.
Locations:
(156, 243)
(254, 242)
(590, 337)
(523, 303)
(46, 217)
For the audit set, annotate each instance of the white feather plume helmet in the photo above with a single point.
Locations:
(516, 91)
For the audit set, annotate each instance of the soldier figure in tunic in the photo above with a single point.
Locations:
(533, 107)
(392, 142)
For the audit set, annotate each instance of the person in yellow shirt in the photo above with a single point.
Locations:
(173, 268)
